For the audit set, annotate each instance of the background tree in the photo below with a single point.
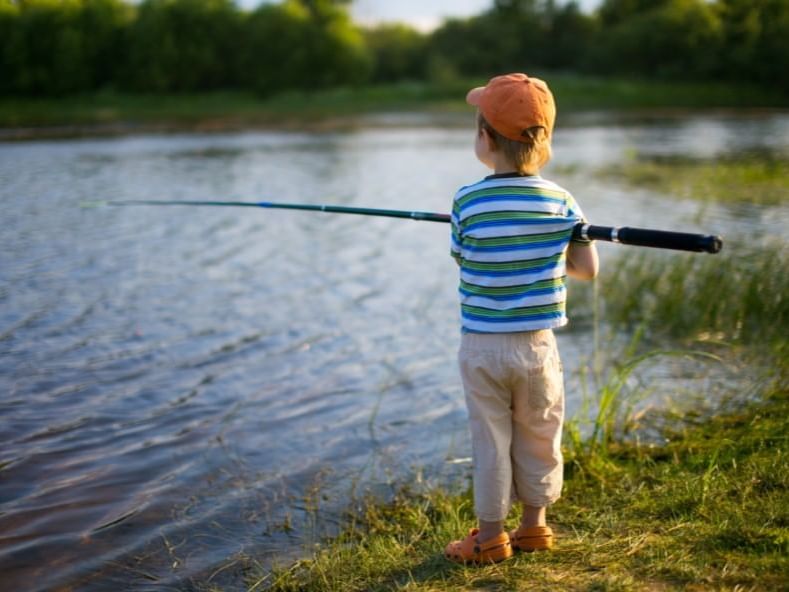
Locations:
(54, 47)
(9, 47)
(302, 45)
(183, 45)
(667, 39)
(756, 41)
(103, 25)
(336, 45)
(398, 53)
(57, 47)
(569, 35)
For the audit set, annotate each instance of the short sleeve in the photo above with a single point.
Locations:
(575, 212)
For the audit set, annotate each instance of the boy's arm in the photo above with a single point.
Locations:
(582, 260)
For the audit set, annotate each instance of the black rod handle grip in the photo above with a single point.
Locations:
(644, 237)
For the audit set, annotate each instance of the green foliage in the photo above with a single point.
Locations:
(509, 37)
(183, 45)
(571, 35)
(398, 53)
(302, 46)
(275, 54)
(756, 41)
(9, 46)
(54, 47)
(672, 39)
(614, 12)
(58, 47)
(50, 47)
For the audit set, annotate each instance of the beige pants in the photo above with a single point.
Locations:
(515, 397)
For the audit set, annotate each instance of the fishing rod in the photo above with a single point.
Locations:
(642, 237)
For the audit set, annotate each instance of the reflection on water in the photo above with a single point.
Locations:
(182, 388)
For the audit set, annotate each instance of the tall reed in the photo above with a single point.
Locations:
(737, 298)
(610, 398)
(740, 296)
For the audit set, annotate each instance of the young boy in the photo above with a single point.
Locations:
(511, 236)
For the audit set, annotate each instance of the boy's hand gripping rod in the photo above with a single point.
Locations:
(642, 237)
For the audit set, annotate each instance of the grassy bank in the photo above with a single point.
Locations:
(737, 297)
(761, 179)
(707, 509)
(229, 108)
(240, 109)
(682, 501)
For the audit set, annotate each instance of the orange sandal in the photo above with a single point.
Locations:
(470, 550)
(532, 538)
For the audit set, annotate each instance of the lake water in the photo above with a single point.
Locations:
(186, 391)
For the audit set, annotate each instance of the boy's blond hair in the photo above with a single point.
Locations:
(528, 155)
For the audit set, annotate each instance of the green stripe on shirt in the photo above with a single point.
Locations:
(514, 241)
(520, 265)
(503, 192)
(549, 284)
(530, 311)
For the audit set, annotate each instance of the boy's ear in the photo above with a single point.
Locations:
(490, 141)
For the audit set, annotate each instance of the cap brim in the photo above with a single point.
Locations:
(475, 95)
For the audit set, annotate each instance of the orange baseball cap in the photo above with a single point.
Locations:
(513, 103)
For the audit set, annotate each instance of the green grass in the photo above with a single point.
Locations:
(234, 109)
(761, 179)
(611, 410)
(674, 499)
(707, 509)
(737, 297)
(578, 92)
(219, 109)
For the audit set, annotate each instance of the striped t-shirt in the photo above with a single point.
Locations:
(510, 235)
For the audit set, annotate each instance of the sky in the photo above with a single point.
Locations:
(426, 14)
(421, 14)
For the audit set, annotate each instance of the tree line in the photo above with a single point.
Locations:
(59, 47)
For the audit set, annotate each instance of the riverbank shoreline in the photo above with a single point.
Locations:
(111, 113)
(690, 497)
(425, 117)
(704, 510)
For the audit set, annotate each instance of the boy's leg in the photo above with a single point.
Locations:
(490, 421)
(538, 412)
(489, 530)
(532, 516)
(489, 406)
